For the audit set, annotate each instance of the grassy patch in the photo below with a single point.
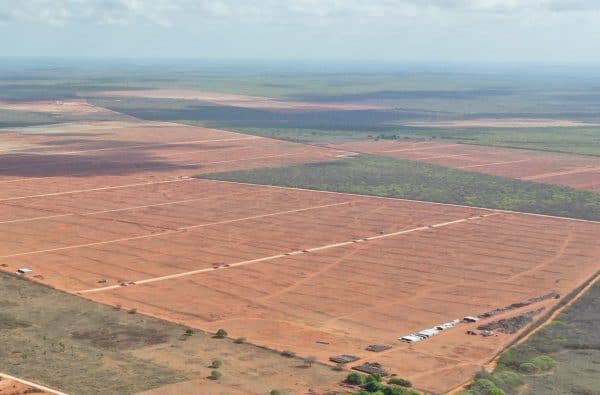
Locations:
(81, 347)
(390, 177)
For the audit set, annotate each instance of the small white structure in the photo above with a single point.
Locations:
(427, 333)
(470, 318)
(24, 270)
(447, 325)
(411, 339)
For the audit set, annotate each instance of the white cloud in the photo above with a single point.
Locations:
(166, 12)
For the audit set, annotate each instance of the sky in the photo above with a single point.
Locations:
(507, 31)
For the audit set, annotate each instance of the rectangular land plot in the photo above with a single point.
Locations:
(78, 157)
(570, 170)
(422, 264)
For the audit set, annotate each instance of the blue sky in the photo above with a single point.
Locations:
(519, 31)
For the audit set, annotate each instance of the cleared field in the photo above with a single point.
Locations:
(575, 171)
(70, 158)
(421, 264)
(106, 211)
(70, 107)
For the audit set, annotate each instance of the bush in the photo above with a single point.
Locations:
(400, 381)
(339, 367)
(240, 340)
(373, 378)
(189, 332)
(289, 354)
(486, 387)
(507, 380)
(275, 392)
(215, 375)
(543, 363)
(221, 333)
(216, 363)
(355, 378)
(132, 311)
(527, 367)
(373, 386)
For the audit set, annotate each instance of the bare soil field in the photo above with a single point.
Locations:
(59, 108)
(575, 171)
(199, 252)
(244, 101)
(501, 123)
(82, 156)
(108, 212)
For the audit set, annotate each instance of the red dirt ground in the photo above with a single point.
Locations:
(575, 171)
(14, 387)
(299, 270)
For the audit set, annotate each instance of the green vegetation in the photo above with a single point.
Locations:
(562, 358)
(221, 333)
(216, 375)
(309, 361)
(396, 178)
(400, 381)
(372, 384)
(216, 363)
(288, 354)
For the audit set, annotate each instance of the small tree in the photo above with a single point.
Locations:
(215, 375)
(400, 381)
(221, 333)
(216, 363)
(355, 378)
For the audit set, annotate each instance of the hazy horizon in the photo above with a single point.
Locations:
(512, 32)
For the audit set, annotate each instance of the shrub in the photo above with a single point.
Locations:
(543, 363)
(216, 363)
(400, 381)
(275, 392)
(289, 354)
(373, 378)
(355, 378)
(486, 387)
(132, 311)
(221, 333)
(215, 375)
(189, 332)
(241, 340)
(339, 367)
(527, 367)
(373, 386)
(507, 380)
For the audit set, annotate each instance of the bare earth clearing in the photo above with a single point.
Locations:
(244, 101)
(313, 272)
(575, 171)
(11, 386)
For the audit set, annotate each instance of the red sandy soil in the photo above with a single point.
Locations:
(80, 209)
(233, 100)
(63, 158)
(350, 296)
(71, 107)
(575, 171)
(13, 387)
